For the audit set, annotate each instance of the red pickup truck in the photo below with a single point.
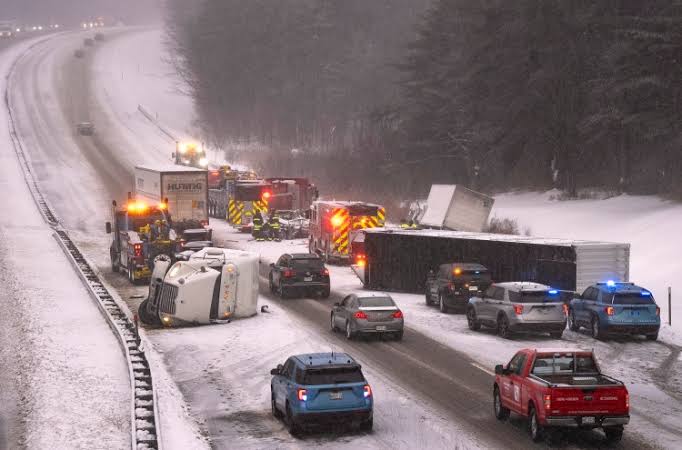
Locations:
(560, 389)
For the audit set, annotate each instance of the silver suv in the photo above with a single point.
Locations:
(518, 306)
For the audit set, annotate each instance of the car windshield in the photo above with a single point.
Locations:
(307, 264)
(533, 297)
(564, 364)
(633, 299)
(333, 376)
(371, 302)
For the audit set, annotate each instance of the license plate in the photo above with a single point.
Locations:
(589, 420)
(473, 288)
(307, 278)
(381, 327)
(335, 395)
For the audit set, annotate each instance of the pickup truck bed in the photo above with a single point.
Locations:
(584, 381)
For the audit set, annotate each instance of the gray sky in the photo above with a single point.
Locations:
(75, 11)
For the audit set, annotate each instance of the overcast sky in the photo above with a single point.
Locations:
(74, 11)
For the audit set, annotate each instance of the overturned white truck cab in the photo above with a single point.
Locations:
(215, 285)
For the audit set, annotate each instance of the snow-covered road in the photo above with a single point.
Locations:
(63, 379)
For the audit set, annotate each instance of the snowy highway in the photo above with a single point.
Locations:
(433, 390)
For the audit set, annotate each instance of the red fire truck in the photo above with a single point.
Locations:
(333, 222)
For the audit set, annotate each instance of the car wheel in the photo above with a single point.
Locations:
(399, 335)
(367, 425)
(427, 295)
(556, 334)
(503, 327)
(597, 333)
(275, 412)
(473, 323)
(501, 413)
(281, 290)
(331, 321)
(652, 337)
(441, 304)
(131, 274)
(326, 292)
(114, 262)
(349, 332)
(294, 429)
(572, 324)
(271, 284)
(613, 435)
(534, 425)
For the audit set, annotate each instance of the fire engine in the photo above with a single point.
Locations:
(333, 222)
(292, 194)
(137, 239)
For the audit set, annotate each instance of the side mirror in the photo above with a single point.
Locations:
(108, 226)
(272, 265)
(274, 371)
(499, 369)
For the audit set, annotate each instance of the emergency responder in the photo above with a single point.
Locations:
(258, 226)
(273, 225)
(411, 225)
(164, 230)
(403, 224)
(146, 232)
(155, 230)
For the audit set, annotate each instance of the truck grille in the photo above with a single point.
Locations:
(168, 295)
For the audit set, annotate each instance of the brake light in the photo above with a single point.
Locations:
(457, 271)
(658, 311)
(302, 395)
(610, 310)
(627, 400)
(398, 314)
(137, 248)
(288, 273)
(518, 309)
(360, 315)
(565, 306)
(361, 263)
(324, 272)
(367, 391)
(548, 401)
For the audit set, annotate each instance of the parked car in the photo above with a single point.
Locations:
(85, 129)
(560, 389)
(368, 314)
(319, 389)
(454, 284)
(299, 273)
(518, 306)
(615, 308)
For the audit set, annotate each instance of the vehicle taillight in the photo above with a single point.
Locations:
(565, 309)
(288, 273)
(610, 310)
(398, 315)
(360, 260)
(324, 272)
(360, 315)
(302, 395)
(627, 400)
(658, 311)
(548, 401)
(367, 391)
(518, 309)
(138, 249)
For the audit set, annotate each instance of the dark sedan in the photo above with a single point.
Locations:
(299, 273)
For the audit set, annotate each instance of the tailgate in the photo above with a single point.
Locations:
(589, 400)
(335, 397)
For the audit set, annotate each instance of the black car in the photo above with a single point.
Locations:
(302, 273)
(452, 286)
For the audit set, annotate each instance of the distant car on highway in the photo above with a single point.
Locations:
(366, 314)
(559, 390)
(79, 53)
(518, 306)
(454, 284)
(6, 32)
(299, 273)
(99, 36)
(85, 128)
(88, 42)
(615, 308)
(319, 389)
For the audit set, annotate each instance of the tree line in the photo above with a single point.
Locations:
(382, 98)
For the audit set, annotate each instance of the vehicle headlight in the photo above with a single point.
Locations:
(203, 162)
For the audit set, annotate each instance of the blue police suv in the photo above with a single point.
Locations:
(321, 389)
(615, 308)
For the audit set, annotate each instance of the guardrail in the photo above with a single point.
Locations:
(156, 123)
(145, 423)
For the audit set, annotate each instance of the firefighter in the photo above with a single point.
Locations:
(164, 230)
(404, 224)
(146, 232)
(273, 225)
(411, 225)
(258, 226)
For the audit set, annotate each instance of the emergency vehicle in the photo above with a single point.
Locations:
(239, 201)
(292, 194)
(190, 154)
(332, 223)
(137, 238)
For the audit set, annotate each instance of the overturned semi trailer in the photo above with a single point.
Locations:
(399, 260)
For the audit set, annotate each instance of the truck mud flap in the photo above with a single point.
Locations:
(359, 272)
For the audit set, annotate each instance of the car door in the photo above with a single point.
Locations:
(283, 383)
(441, 282)
(588, 303)
(483, 306)
(517, 384)
(510, 391)
(277, 270)
(340, 313)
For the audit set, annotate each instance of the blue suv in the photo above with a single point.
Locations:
(615, 308)
(321, 389)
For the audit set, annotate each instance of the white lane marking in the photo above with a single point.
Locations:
(484, 369)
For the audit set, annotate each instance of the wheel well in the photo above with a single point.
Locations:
(500, 315)
(530, 405)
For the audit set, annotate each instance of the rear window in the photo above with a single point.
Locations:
(333, 376)
(564, 365)
(632, 299)
(372, 302)
(307, 264)
(533, 297)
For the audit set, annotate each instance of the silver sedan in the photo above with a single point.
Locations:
(368, 314)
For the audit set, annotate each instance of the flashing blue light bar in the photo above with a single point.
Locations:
(478, 271)
(646, 294)
(611, 283)
(552, 292)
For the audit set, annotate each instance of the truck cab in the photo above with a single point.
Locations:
(560, 390)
